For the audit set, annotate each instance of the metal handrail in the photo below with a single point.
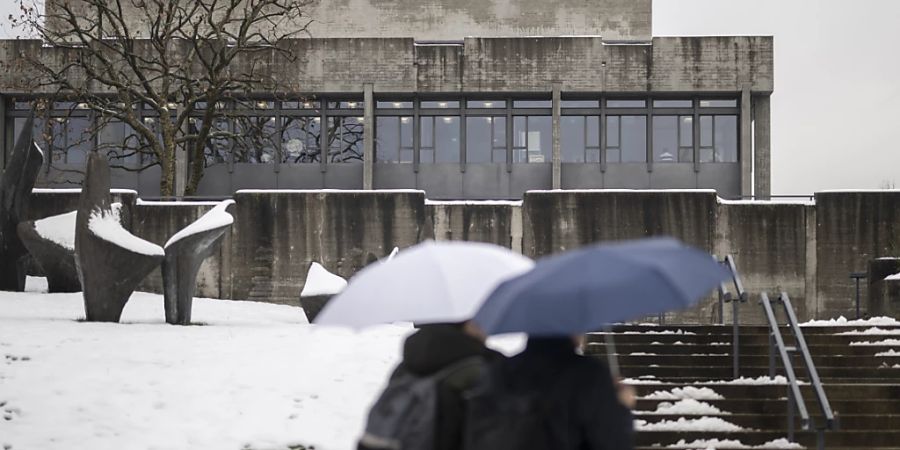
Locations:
(725, 297)
(795, 397)
(824, 404)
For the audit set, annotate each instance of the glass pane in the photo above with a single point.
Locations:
(593, 131)
(113, 140)
(426, 132)
(532, 104)
(572, 129)
(345, 139)
(634, 139)
(394, 105)
(687, 131)
(346, 104)
(478, 139)
(255, 140)
(38, 131)
(718, 103)
(726, 139)
(486, 104)
(498, 145)
(626, 103)
(70, 140)
(300, 140)
(706, 131)
(387, 139)
(580, 104)
(446, 137)
(613, 155)
(673, 104)
(540, 139)
(520, 132)
(612, 131)
(439, 104)
(593, 155)
(706, 155)
(665, 139)
(300, 105)
(406, 134)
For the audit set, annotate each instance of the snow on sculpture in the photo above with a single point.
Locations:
(185, 252)
(51, 242)
(110, 261)
(319, 287)
(16, 184)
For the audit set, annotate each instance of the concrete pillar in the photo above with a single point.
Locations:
(557, 155)
(746, 143)
(5, 133)
(762, 153)
(516, 229)
(368, 136)
(811, 292)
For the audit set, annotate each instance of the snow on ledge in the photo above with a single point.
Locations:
(882, 343)
(473, 202)
(107, 226)
(682, 424)
(758, 381)
(890, 352)
(733, 444)
(842, 322)
(774, 201)
(691, 392)
(214, 218)
(893, 277)
(620, 191)
(875, 331)
(77, 191)
(319, 281)
(141, 202)
(59, 229)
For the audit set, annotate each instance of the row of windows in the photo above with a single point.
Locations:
(434, 131)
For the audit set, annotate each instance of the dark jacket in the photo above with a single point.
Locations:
(435, 347)
(587, 412)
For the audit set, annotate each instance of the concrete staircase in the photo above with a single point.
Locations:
(661, 361)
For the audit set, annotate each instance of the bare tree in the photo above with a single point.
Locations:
(165, 69)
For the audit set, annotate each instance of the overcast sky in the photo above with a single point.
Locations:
(836, 107)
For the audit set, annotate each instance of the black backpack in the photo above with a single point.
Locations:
(497, 418)
(404, 416)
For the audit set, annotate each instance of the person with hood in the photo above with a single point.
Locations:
(549, 397)
(431, 352)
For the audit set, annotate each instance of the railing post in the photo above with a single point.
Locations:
(790, 417)
(771, 355)
(736, 338)
(857, 276)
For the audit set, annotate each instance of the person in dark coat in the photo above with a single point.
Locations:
(585, 408)
(435, 347)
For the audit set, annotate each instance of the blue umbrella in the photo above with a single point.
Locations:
(586, 289)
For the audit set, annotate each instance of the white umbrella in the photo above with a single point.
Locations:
(431, 282)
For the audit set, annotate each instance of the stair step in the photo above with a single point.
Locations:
(779, 406)
(839, 438)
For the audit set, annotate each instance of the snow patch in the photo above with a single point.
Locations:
(842, 322)
(758, 381)
(36, 284)
(59, 229)
(885, 342)
(689, 425)
(893, 277)
(214, 218)
(668, 332)
(890, 352)
(107, 226)
(319, 281)
(686, 392)
(473, 202)
(871, 331)
(642, 354)
(713, 444)
(687, 407)
(635, 381)
(141, 202)
(328, 191)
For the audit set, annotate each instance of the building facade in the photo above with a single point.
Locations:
(471, 100)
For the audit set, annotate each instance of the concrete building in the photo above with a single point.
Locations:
(473, 100)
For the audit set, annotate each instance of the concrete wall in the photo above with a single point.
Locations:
(806, 250)
(851, 229)
(277, 235)
(511, 64)
(456, 19)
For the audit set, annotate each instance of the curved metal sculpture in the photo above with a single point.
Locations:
(110, 260)
(185, 252)
(16, 184)
(51, 242)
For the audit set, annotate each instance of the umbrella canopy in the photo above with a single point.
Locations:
(584, 290)
(431, 282)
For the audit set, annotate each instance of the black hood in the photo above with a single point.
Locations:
(435, 347)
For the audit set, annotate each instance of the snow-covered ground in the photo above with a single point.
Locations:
(252, 375)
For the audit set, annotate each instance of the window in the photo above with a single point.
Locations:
(732, 103)
(439, 104)
(309, 104)
(718, 139)
(300, 140)
(532, 104)
(485, 139)
(70, 140)
(673, 104)
(345, 139)
(486, 104)
(394, 105)
(439, 139)
(394, 139)
(255, 139)
(580, 104)
(580, 139)
(532, 139)
(626, 103)
(626, 139)
(120, 143)
(673, 139)
(346, 104)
